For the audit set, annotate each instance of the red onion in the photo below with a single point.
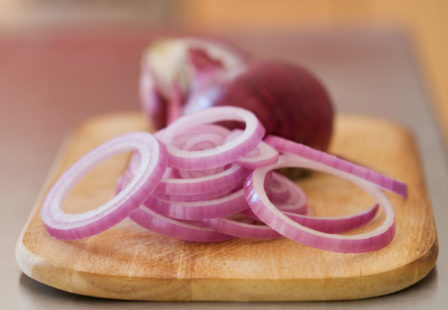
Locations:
(224, 181)
(219, 156)
(169, 71)
(288, 100)
(198, 210)
(151, 167)
(184, 75)
(387, 183)
(273, 217)
(218, 199)
(262, 155)
(174, 228)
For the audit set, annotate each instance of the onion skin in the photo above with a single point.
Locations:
(185, 62)
(287, 99)
(153, 103)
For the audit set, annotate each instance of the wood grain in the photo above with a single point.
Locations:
(128, 262)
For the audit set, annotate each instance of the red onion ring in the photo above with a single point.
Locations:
(332, 225)
(163, 225)
(276, 189)
(286, 146)
(198, 210)
(152, 164)
(261, 156)
(207, 186)
(274, 218)
(221, 155)
(225, 180)
(219, 132)
(296, 197)
(196, 197)
(240, 229)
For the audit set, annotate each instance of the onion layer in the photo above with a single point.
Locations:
(221, 155)
(176, 229)
(197, 210)
(287, 146)
(152, 164)
(274, 218)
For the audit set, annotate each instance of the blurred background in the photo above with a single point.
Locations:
(424, 21)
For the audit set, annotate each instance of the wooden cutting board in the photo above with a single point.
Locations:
(128, 262)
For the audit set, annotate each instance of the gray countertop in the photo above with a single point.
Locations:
(50, 82)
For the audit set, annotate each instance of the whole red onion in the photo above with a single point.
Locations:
(289, 101)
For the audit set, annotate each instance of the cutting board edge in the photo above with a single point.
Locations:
(111, 287)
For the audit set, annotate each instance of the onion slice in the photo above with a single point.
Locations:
(198, 210)
(222, 154)
(166, 226)
(296, 198)
(261, 156)
(276, 188)
(152, 165)
(387, 183)
(227, 179)
(337, 224)
(206, 187)
(196, 197)
(274, 218)
(214, 135)
(244, 229)
(241, 229)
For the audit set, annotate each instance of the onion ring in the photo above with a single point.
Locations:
(198, 210)
(182, 230)
(152, 165)
(221, 155)
(274, 218)
(286, 146)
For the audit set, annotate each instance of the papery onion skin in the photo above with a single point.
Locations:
(166, 63)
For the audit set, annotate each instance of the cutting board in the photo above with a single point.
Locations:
(129, 262)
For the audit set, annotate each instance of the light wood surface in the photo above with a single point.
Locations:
(128, 262)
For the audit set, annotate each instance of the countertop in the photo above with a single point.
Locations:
(51, 81)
